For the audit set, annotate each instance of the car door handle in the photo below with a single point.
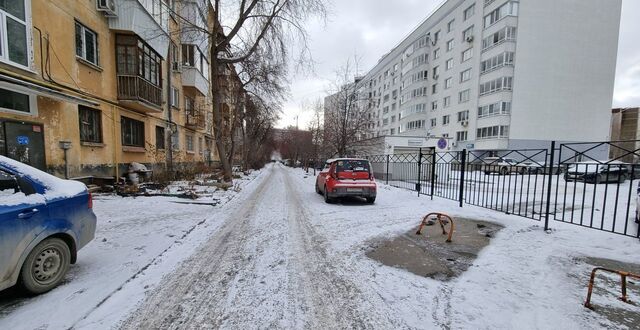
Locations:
(29, 214)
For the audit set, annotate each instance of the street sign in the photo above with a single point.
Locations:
(442, 143)
(22, 140)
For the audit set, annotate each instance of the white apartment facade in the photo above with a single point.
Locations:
(498, 75)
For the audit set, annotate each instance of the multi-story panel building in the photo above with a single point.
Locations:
(499, 74)
(118, 81)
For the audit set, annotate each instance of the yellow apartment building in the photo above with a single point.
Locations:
(89, 86)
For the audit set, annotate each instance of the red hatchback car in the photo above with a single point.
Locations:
(344, 177)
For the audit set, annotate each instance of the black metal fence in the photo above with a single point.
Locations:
(569, 183)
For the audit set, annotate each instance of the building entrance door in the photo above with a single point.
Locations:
(23, 142)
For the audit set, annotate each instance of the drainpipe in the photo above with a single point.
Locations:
(169, 147)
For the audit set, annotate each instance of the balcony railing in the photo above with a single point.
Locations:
(195, 118)
(135, 88)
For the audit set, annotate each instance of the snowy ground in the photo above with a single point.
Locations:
(133, 235)
(277, 256)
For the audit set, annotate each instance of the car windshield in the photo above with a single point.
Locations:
(352, 166)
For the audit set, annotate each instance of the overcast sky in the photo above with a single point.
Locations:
(370, 28)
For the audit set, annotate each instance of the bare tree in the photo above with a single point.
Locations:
(347, 118)
(257, 133)
(316, 127)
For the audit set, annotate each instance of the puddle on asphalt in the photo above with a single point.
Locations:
(430, 255)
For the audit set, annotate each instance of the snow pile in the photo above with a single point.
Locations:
(54, 187)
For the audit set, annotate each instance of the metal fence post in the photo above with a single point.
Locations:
(387, 175)
(462, 170)
(433, 171)
(549, 185)
(419, 170)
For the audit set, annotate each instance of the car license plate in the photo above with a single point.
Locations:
(354, 190)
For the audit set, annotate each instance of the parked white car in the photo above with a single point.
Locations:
(502, 165)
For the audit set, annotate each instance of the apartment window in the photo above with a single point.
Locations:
(436, 36)
(467, 34)
(505, 34)
(189, 141)
(136, 58)
(393, 131)
(436, 72)
(465, 75)
(497, 61)
(449, 64)
(463, 115)
(494, 109)
(434, 122)
(175, 140)
(12, 101)
(508, 9)
(175, 97)
(434, 88)
(493, 132)
(393, 106)
(86, 44)
(445, 120)
(90, 124)
(385, 121)
(446, 102)
(160, 137)
(464, 96)
(132, 132)
(449, 45)
(416, 124)
(461, 136)
(467, 54)
(450, 25)
(436, 53)
(469, 12)
(385, 110)
(502, 83)
(192, 56)
(175, 56)
(200, 149)
(434, 105)
(393, 119)
(448, 82)
(14, 45)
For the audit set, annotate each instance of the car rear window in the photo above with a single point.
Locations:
(352, 166)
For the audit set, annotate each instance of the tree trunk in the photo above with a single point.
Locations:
(217, 111)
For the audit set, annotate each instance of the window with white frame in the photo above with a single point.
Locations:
(189, 142)
(469, 12)
(86, 44)
(467, 33)
(446, 119)
(461, 136)
(436, 72)
(14, 32)
(463, 115)
(502, 35)
(446, 102)
(450, 25)
(493, 132)
(434, 105)
(175, 97)
(467, 55)
(434, 88)
(465, 75)
(448, 83)
(494, 109)
(17, 102)
(464, 96)
(507, 9)
(497, 61)
(502, 83)
(434, 122)
(449, 45)
(436, 53)
(449, 64)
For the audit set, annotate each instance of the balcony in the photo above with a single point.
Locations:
(193, 78)
(139, 94)
(195, 118)
(148, 20)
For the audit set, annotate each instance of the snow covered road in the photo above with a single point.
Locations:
(277, 256)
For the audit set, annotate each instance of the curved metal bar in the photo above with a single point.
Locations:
(439, 216)
(623, 280)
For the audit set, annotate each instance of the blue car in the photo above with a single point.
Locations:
(44, 221)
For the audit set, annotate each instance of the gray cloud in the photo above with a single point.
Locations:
(370, 28)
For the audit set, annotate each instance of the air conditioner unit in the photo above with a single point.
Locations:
(469, 39)
(108, 7)
(464, 123)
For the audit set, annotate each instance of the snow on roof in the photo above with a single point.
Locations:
(54, 186)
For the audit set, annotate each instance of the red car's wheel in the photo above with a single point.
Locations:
(327, 199)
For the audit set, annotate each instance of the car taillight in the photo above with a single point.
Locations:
(90, 204)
